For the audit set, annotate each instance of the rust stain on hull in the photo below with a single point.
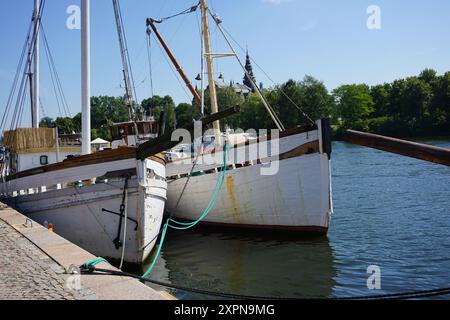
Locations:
(232, 199)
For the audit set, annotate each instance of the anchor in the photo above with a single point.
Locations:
(117, 242)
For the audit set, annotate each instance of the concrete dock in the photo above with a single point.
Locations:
(35, 264)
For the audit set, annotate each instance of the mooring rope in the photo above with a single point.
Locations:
(90, 268)
(174, 224)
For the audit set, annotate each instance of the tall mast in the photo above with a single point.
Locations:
(36, 72)
(85, 77)
(209, 63)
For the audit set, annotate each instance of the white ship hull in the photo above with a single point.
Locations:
(89, 216)
(296, 198)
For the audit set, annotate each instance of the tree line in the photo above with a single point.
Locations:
(413, 106)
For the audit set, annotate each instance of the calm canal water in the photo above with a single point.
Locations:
(389, 211)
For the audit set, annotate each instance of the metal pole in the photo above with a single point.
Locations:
(36, 70)
(209, 63)
(85, 77)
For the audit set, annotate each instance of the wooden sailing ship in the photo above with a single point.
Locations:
(110, 203)
(297, 198)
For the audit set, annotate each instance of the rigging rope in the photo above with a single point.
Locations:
(18, 91)
(24, 65)
(187, 180)
(42, 108)
(174, 224)
(187, 11)
(128, 77)
(268, 77)
(53, 83)
(148, 31)
(53, 69)
(16, 80)
(172, 68)
(268, 107)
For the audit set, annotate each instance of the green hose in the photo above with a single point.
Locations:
(182, 225)
(187, 225)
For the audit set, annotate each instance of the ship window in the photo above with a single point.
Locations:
(44, 160)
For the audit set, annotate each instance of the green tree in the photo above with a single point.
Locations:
(106, 110)
(156, 104)
(47, 122)
(428, 76)
(148, 105)
(226, 98)
(77, 122)
(253, 115)
(353, 104)
(186, 113)
(381, 98)
(440, 103)
(293, 100)
(413, 99)
(316, 102)
(65, 125)
(282, 99)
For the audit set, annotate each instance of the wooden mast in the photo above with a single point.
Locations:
(36, 70)
(174, 61)
(209, 63)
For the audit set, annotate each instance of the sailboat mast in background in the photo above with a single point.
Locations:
(85, 77)
(36, 70)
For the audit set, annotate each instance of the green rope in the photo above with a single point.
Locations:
(187, 225)
(95, 262)
(182, 225)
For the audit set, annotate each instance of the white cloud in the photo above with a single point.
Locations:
(276, 2)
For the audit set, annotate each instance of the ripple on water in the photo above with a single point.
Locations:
(390, 211)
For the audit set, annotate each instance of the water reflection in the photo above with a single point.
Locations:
(247, 264)
(389, 211)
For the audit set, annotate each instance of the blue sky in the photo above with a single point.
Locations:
(328, 39)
